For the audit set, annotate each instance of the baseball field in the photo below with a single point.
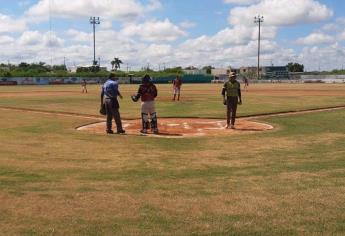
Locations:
(286, 180)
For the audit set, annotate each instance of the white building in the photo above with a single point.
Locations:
(195, 71)
(220, 71)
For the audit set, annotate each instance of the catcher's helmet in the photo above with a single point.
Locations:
(146, 79)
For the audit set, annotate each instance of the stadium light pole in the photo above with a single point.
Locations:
(94, 21)
(258, 20)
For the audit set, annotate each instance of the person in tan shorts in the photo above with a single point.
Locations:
(147, 92)
(177, 83)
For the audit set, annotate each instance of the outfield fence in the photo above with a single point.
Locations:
(98, 80)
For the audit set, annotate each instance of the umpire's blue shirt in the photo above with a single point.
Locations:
(110, 89)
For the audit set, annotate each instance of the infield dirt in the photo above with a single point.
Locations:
(185, 127)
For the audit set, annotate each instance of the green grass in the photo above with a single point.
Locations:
(198, 100)
(57, 181)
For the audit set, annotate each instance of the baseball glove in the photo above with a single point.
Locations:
(134, 98)
(102, 110)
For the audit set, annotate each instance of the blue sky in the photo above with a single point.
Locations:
(175, 32)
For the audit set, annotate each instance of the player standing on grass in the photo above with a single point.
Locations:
(147, 92)
(246, 83)
(231, 97)
(83, 86)
(177, 83)
(110, 92)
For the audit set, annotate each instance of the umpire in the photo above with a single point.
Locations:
(232, 91)
(110, 92)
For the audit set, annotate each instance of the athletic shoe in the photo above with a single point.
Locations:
(232, 127)
(155, 131)
(121, 132)
(227, 126)
(110, 132)
(143, 131)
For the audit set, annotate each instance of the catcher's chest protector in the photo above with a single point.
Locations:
(148, 92)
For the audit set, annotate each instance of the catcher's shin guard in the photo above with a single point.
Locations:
(145, 121)
(154, 125)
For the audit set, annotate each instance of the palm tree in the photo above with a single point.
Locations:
(116, 64)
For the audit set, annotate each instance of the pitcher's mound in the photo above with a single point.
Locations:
(184, 127)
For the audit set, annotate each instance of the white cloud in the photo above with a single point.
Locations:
(5, 40)
(79, 36)
(154, 31)
(341, 36)
(157, 51)
(336, 26)
(153, 5)
(108, 9)
(9, 24)
(325, 57)
(187, 24)
(227, 38)
(330, 27)
(316, 39)
(281, 13)
(106, 24)
(35, 38)
(30, 38)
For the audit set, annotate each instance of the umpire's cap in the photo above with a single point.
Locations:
(112, 76)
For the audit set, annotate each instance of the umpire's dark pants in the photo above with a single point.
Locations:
(231, 109)
(112, 110)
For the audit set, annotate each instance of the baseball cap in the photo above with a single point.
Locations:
(232, 74)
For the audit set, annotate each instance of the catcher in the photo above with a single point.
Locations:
(147, 92)
(232, 91)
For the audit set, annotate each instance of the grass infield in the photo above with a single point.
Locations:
(288, 181)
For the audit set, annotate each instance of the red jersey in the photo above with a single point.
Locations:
(177, 83)
(148, 92)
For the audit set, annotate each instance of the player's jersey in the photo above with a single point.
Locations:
(110, 89)
(177, 83)
(232, 89)
(148, 92)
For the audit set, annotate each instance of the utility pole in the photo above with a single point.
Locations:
(94, 21)
(258, 20)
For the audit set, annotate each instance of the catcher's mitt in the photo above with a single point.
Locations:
(134, 98)
(102, 110)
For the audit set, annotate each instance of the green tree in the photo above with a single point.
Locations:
(295, 67)
(23, 65)
(208, 69)
(116, 64)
